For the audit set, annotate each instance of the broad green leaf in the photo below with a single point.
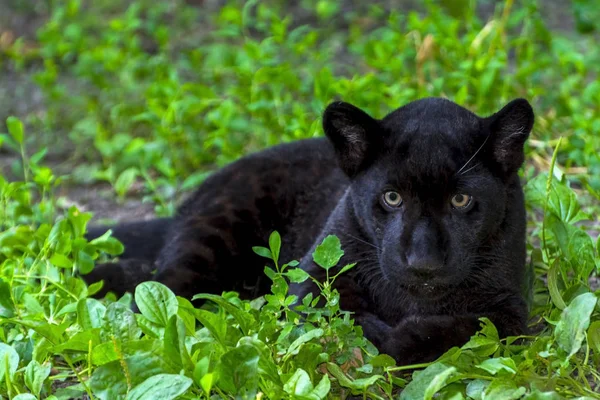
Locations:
(215, 324)
(322, 389)
(503, 389)
(438, 382)
(427, 382)
(537, 395)
(574, 321)
(109, 381)
(53, 333)
(328, 253)
(304, 338)
(107, 352)
(61, 261)
(35, 375)
(7, 307)
(85, 263)
(15, 128)
(296, 275)
(476, 388)
(120, 323)
(163, 386)
(299, 384)
(239, 369)
(266, 365)
(246, 320)
(156, 302)
(24, 396)
(382, 360)
(9, 361)
(496, 365)
(363, 383)
(204, 375)
(90, 313)
(81, 341)
(108, 244)
(32, 304)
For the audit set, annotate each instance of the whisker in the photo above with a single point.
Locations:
(474, 155)
(473, 167)
(361, 240)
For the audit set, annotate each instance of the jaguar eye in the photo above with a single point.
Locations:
(392, 199)
(461, 201)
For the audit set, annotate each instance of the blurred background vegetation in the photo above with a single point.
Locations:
(144, 98)
(129, 104)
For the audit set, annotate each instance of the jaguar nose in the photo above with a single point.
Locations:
(423, 268)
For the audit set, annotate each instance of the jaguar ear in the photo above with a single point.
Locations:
(354, 134)
(510, 128)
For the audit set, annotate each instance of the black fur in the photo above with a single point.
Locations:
(426, 270)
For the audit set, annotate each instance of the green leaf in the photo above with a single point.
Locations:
(328, 253)
(503, 389)
(120, 323)
(85, 263)
(266, 365)
(363, 383)
(15, 128)
(108, 244)
(263, 252)
(296, 275)
(109, 381)
(304, 338)
(156, 302)
(174, 345)
(427, 382)
(216, 325)
(476, 388)
(9, 361)
(90, 313)
(346, 268)
(382, 360)
(203, 374)
(239, 369)
(35, 375)
(7, 307)
(125, 180)
(80, 341)
(438, 382)
(495, 365)
(593, 336)
(574, 320)
(299, 384)
(61, 261)
(322, 389)
(553, 285)
(32, 304)
(275, 245)
(537, 395)
(24, 396)
(163, 386)
(246, 320)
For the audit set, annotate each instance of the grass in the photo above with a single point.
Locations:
(161, 94)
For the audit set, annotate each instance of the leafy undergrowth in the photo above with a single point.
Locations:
(162, 93)
(60, 343)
